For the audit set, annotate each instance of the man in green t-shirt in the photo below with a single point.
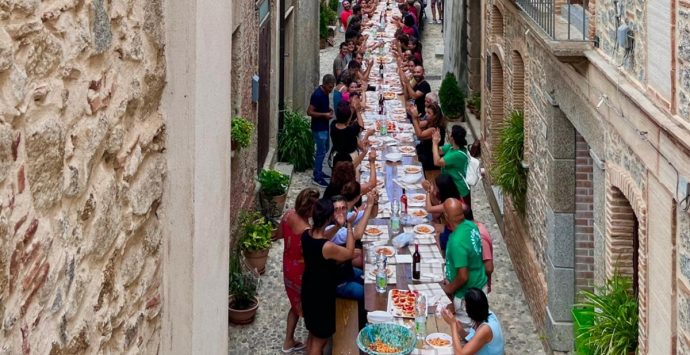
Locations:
(464, 263)
(452, 159)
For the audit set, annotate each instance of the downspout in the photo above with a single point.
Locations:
(281, 70)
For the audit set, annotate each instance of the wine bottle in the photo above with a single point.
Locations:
(416, 262)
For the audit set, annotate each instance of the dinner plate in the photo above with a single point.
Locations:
(418, 212)
(424, 229)
(406, 149)
(417, 198)
(412, 169)
(385, 250)
(373, 231)
(372, 274)
(394, 157)
(442, 337)
(411, 178)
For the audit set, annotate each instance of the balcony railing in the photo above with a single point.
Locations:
(562, 20)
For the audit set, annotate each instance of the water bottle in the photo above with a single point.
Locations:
(381, 277)
(420, 319)
(395, 217)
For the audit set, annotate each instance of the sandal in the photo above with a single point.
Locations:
(298, 347)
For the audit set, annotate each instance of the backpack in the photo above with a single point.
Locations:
(474, 173)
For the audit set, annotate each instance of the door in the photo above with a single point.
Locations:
(264, 124)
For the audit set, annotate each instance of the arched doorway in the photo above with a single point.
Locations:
(626, 239)
(497, 113)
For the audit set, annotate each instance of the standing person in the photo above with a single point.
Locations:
(320, 265)
(464, 265)
(487, 248)
(453, 158)
(293, 224)
(485, 336)
(320, 112)
(434, 5)
(345, 15)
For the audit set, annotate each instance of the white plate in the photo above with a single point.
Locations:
(416, 200)
(412, 179)
(418, 212)
(417, 227)
(412, 169)
(394, 157)
(390, 250)
(373, 231)
(443, 336)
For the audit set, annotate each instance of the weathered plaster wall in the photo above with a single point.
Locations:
(306, 53)
(455, 40)
(245, 63)
(82, 176)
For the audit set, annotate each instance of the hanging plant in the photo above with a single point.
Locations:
(507, 171)
(241, 132)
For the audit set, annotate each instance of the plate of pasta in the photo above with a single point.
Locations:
(439, 340)
(386, 338)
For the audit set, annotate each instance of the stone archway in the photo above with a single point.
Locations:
(626, 237)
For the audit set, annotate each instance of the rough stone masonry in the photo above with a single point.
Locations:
(81, 175)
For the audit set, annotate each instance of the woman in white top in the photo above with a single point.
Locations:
(485, 337)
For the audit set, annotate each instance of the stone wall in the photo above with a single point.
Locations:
(683, 283)
(683, 67)
(632, 13)
(245, 59)
(82, 176)
(455, 40)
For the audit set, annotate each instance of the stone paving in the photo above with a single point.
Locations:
(266, 334)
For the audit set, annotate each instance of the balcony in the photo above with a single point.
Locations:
(564, 23)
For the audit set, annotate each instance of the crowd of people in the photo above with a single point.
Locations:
(322, 234)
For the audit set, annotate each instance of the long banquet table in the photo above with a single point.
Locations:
(391, 171)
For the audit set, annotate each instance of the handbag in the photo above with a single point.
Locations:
(473, 173)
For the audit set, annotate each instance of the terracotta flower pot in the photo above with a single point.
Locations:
(257, 259)
(241, 316)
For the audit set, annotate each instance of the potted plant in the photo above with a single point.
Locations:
(255, 233)
(507, 170)
(451, 97)
(613, 328)
(474, 104)
(295, 141)
(274, 186)
(242, 300)
(240, 132)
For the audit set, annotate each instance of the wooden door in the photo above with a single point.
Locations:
(264, 123)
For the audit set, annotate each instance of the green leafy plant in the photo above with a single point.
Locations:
(295, 141)
(333, 4)
(241, 131)
(244, 284)
(613, 308)
(273, 182)
(327, 18)
(507, 171)
(255, 231)
(451, 97)
(475, 101)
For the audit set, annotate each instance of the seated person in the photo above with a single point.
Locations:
(485, 337)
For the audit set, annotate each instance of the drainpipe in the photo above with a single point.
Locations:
(281, 70)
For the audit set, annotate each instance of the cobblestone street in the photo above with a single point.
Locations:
(266, 334)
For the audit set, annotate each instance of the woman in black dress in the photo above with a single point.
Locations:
(320, 269)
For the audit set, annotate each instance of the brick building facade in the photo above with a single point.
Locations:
(607, 145)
